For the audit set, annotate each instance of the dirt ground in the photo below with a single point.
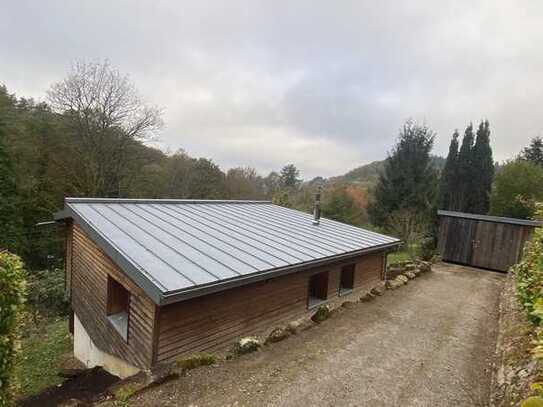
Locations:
(429, 343)
(86, 387)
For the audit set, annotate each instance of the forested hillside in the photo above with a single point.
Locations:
(367, 175)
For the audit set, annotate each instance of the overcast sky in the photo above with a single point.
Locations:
(322, 84)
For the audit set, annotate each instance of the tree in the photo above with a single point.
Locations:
(449, 177)
(244, 183)
(290, 176)
(482, 171)
(409, 226)
(534, 152)
(272, 184)
(9, 214)
(465, 171)
(339, 204)
(103, 113)
(516, 190)
(409, 181)
(206, 180)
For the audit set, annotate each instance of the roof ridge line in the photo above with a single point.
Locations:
(163, 201)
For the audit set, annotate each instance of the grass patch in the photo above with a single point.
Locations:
(397, 257)
(44, 346)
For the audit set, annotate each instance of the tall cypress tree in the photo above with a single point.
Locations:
(465, 171)
(482, 171)
(409, 179)
(449, 177)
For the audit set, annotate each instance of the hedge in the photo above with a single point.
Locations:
(12, 295)
(529, 278)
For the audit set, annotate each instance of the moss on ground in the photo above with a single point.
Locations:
(196, 360)
(44, 347)
(123, 393)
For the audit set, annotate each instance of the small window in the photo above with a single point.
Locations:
(318, 289)
(346, 281)
(118, 302)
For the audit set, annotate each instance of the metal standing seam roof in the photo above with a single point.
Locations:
(178, 249)
(487, 218)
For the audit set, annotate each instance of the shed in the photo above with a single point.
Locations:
(483, 241)
(151, 280)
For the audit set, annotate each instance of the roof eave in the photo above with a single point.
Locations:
(69, 200)
(489, 218)
(193, 292)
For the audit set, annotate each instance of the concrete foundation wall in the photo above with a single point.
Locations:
(86, 351)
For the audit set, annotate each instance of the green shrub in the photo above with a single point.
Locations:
(12, 295)
(46, 292)
(427, 248)
(529, 279)
(529, 276)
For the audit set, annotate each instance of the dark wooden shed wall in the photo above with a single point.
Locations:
(484, 244)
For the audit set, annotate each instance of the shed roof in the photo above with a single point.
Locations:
(487, 218)
(177, 249)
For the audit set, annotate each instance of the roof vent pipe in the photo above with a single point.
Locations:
(317, 208)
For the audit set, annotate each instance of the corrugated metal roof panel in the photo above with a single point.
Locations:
(179, 248)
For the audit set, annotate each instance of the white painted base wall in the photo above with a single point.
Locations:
(86, 351)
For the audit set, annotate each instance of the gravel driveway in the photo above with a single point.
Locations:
(429, 343)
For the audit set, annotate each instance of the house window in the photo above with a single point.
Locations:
(346, 281)
(318, 289)
(118, 302)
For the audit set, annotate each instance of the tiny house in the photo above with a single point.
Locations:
(152, 280)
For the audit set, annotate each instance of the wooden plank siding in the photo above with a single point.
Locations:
(208, 323)
(89, 272)
(481, 243)
(213, 322)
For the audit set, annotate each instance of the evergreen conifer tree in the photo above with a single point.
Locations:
(482, 172)
(465, 171)
(534, 152)
(449, 177)
(409, 179)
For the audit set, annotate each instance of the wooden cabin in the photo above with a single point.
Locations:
(489, 242)
(151, 280)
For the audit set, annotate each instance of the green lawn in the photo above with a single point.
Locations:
(44, 347)
(396, 257)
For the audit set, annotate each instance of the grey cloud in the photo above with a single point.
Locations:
(323, 84)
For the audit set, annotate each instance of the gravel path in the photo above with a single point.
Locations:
(429, 343)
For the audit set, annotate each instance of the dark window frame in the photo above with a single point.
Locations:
(317, 292)
(346, 279)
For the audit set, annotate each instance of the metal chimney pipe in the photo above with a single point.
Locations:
(317, 207)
